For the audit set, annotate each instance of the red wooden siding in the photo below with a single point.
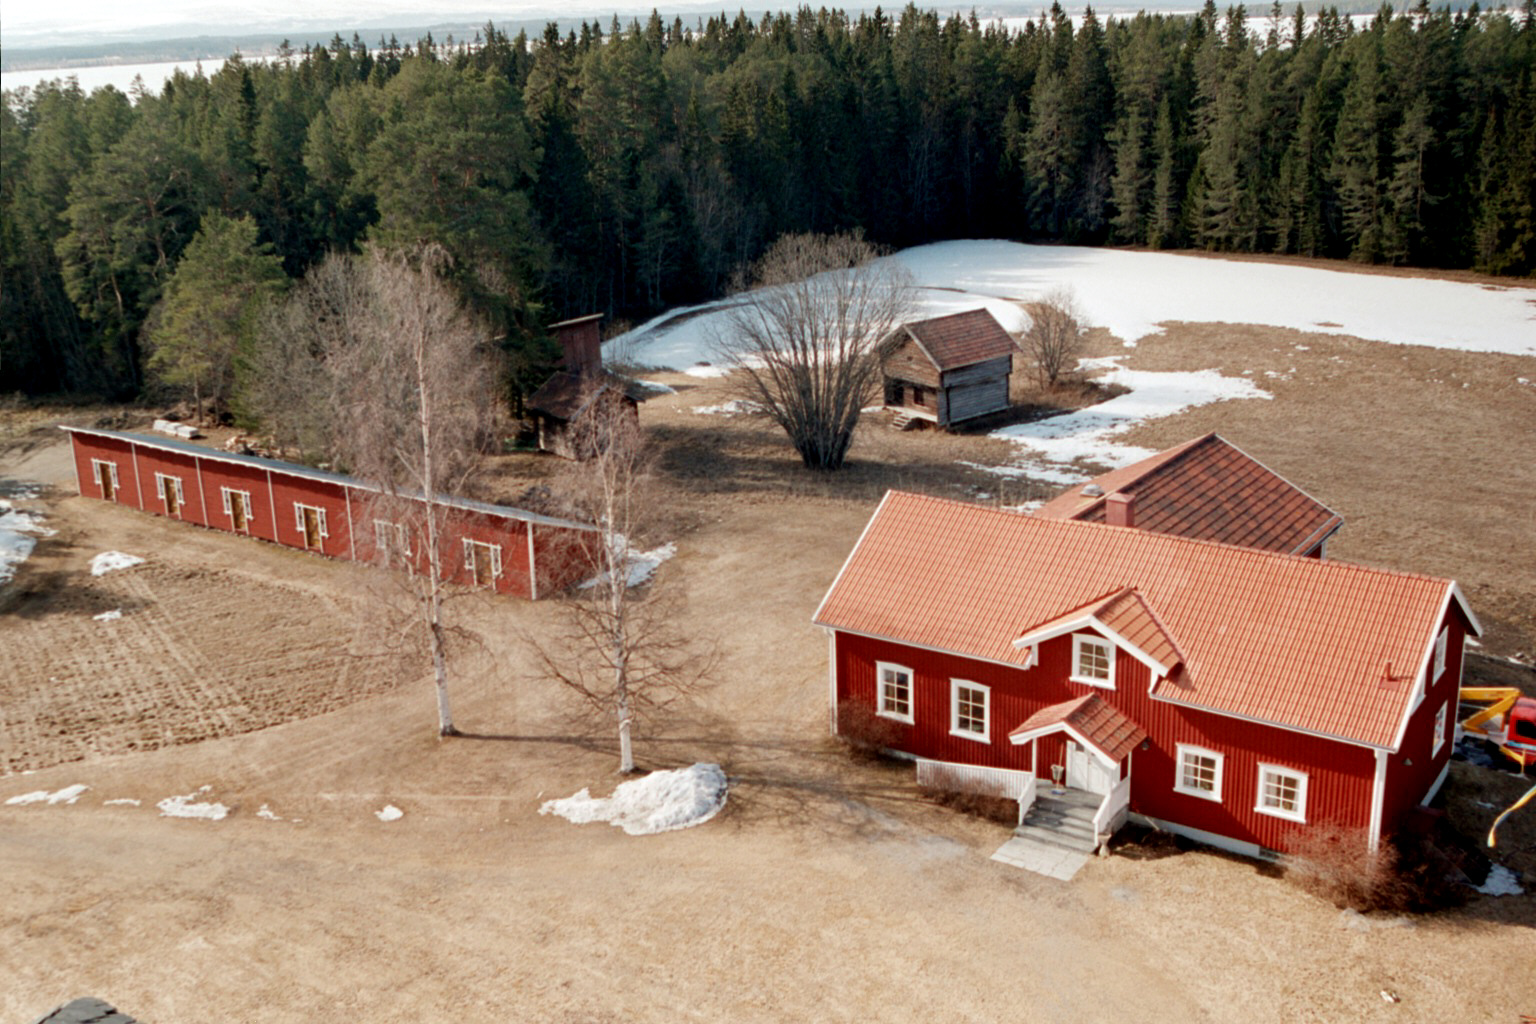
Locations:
(350, 509)
(1339, 775)
(1416, 765)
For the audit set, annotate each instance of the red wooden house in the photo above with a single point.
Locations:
(509, 550)
(1208, 489)
(1234, 695)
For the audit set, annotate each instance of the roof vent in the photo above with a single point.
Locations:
(1093, 491)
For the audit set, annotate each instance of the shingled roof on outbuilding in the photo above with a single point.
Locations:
(961, 339)
(1206, 489)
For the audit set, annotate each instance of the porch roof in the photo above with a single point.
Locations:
(1089, 718)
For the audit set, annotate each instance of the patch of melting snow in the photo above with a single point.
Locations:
(657, 386)
(707, 370)
(111, 616)
(661, 802)
(15, 546)
(389, 813)
(642, 564)
(67, 795)
(111, 561)
(267, 814)
(189, 806)
(735, 407)
(122, 801)
(1501, 881)
(1051, 448)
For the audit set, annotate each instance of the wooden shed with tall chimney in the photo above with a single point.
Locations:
(579, 382)
(948, 369)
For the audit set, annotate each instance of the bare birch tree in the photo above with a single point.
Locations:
(409, 388)
(621, 650)
(1055, 335)
(807, 340)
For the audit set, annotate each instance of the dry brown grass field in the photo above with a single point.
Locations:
(828, 890)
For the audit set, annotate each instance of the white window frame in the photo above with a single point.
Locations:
(1442, 642)
(390, 538)
(469, 557)
(955, 686)
(298, 518)
(181, 500)
(881, 667)
(1438, 740)
(1300, 780)
(96, 465)
(230, 494)
(1083, 640)
(1185, 751)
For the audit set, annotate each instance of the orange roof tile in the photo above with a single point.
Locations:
(1207, 489)
(1095, 721)
(961, 339)
(1296, 642)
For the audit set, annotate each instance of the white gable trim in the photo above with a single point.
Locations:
(1378, 799)
(1420, 686)
(1083, 741)
(1093, 622)
(816, 617)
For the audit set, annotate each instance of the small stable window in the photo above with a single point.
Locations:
(968, 705)
(105, 473)
(1093, 661)
(169, 489)
(1439, 738)
(482, 561)
(1282, 792)
(1441, 642)
(894, 699)
(237, 506)
(1199, 773)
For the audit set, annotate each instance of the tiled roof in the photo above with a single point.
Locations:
(961, 339)
(1092, 719)
(1296, 642)
(1207, 489)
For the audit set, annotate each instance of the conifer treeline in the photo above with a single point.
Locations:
(633, 169)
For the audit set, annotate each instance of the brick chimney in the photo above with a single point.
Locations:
(1120, 509)
(581, 345)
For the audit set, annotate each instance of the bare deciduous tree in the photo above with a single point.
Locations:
(807, 339)
(406, 378)
(1055, 335)
(621, 650)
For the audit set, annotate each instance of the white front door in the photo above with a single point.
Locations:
(1086, 772)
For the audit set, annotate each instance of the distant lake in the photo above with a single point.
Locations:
(119, 75)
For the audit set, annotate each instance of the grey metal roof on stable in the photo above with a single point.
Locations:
(86, 1010)
(294, 469)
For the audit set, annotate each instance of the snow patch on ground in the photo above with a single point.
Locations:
(15, 546)
(111, 616)
(1501, 881)
(389, 813)
(642, 564)
(266, 813)
(735, 407)
(111, 561)
(122, 801)
(188, 806)
(1051, 448)
(660, 802)
(657, 387)
(67, 795)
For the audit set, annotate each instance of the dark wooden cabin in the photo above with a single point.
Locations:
(580, 381)
(949, 369)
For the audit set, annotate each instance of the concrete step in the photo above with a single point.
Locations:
(1056, 838)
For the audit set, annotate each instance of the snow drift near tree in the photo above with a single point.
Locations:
(660, 802)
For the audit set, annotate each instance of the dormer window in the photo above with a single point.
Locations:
(1093, 661)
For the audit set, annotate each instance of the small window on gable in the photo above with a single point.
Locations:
(1441, 642)
(1199, 773)
(893, 698)
(968, 710)
(1093, 661)
(1439, 739)
(1282, 792)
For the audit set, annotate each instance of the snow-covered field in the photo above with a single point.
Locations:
(15, 525)
(1132, 294)
(660, 802)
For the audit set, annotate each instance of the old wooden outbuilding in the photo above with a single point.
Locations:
(508, 550)
(1237, 696)
(580, 381)
(949, 369)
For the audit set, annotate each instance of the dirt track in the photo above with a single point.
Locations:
(827, 891)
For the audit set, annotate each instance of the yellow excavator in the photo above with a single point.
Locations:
(1506, 719)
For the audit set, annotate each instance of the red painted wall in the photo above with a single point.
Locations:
(120, 454)
(1340, 775)
(218, 475)
(1414, 768)
(181, 467)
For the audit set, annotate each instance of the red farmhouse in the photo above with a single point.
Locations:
(508, 550)
(1233, 695)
